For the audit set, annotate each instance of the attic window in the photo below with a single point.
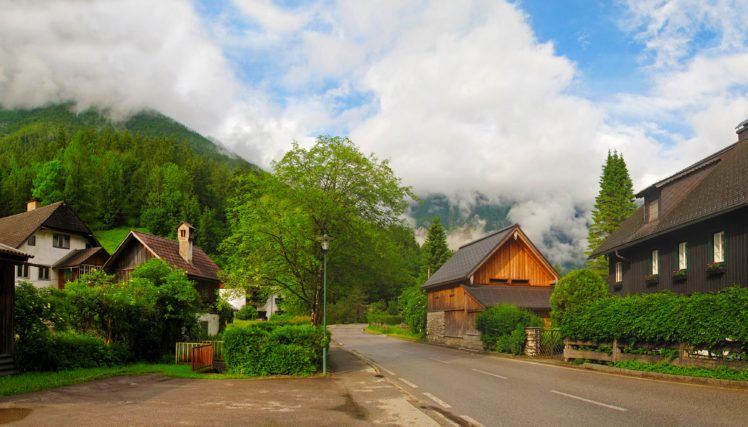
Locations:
(183, 232)
(653, 210)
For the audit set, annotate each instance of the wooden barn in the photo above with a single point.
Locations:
(9, 258)
(503, 267)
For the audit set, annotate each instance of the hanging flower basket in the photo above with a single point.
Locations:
(652, 279)
(715, 268)
(680, 275)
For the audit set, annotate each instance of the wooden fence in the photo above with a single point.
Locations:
(183, 351)
(681, 355)
(202, 357)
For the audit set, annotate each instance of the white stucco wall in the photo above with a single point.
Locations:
(213, 322)
(45, 254)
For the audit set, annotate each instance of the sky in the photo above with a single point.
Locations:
(519, 101)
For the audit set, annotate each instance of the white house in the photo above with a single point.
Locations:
(62, 246)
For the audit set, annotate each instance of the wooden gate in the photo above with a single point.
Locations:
(202, 357)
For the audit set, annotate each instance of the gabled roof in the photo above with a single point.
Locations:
(723, 188)
(202, 266)
(537, 297)
(16, 229)
(13, 252)
(78, 257)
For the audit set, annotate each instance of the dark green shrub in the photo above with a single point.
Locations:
(265, 348)
(349, 309)
(704, 320)
(413, 304)
(513, 343)
(384, 318)
(248, 312)
(68, 350)
(501, 320)
(575, 288)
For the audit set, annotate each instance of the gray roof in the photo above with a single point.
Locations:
(468, 258)
(535, 297)
(722, 188)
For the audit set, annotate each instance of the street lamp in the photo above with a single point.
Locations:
(325, 246)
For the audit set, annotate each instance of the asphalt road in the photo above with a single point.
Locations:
(492, 390)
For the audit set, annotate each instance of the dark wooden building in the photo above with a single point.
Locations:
(9, 259)
(137, 248)
(690, 234)
(503, 267)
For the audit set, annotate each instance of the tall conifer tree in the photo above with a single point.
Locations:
(435, 249)
(613, 204)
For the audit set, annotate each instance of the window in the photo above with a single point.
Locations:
(23, 271)
(655, 262)
(43, 273)
(682, 256)
(619, 272)
(718, 247)
(31, 241)
(653, 210)
(61, 241)
(85, 268)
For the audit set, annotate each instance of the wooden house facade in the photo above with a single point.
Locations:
(690, 234)
(10, 258)
(503, 267)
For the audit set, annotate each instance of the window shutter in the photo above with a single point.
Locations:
(711, 249)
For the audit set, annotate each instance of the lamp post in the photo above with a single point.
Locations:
(325, 247)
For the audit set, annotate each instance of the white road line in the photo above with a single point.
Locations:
(387, 370)
(437, 400)
(617, 408)
(471, 421)
(408, 382)
(438, 360)
(491, 374)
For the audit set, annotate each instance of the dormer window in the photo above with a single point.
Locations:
(653, 210)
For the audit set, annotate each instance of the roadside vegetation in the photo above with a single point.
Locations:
(722, 373)
(502, 328)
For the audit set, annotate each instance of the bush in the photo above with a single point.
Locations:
(703, 320)
(413, 304)
(384, 318)
(248, 312)
(575, 288)
(348, 309)
(265, 348)
(513, 343)
(503, 320)
(69, 350)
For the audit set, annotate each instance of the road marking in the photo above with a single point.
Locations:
(438, 360)
(471, 421)
(408, 382)
(491, 374)
(387, 370)
(617, 408)
(437, 400)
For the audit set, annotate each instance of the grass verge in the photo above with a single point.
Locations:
(110, 239)
(35, 381)
(722, 373)
(394, 331)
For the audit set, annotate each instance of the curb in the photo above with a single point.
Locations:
(742, 385)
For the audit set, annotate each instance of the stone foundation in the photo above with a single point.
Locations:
(435, 329)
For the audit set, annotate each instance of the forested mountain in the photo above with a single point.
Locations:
(454, 216)
(149, 171)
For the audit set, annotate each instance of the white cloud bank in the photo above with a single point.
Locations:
(459, 95)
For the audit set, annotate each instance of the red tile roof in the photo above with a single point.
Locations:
(168, 251)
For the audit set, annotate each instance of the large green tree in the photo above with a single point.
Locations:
(613, 204)
(277, 219)
(435, 251)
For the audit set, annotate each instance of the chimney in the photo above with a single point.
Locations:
(185, 235)
(32, 204)
(742, 130)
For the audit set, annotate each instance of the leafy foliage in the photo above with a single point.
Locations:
(497, 326)
(332, 188)
(413, 304)
(248, 312)
(613, 204)
(384, 318)
(267, 348)
(703, 320)
(575, 288)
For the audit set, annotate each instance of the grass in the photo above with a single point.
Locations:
(110, 239)
(722, 373)
(35, 381)
(394, 331)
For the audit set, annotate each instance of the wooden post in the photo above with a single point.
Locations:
(616, 351)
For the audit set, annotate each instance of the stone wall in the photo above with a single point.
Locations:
(435, 327)
(532, 345)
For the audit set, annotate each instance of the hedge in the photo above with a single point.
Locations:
(268, 349)
(704, 320)
(502, 327)
(384, 318)
(56, 351)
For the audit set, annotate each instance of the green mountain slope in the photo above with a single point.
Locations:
(149, 171)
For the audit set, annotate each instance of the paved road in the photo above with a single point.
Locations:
(502, 391)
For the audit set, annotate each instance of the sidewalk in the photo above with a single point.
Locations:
(352, 396)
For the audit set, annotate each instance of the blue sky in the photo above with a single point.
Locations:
(517, 100)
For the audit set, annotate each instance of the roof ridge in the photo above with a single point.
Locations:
(55, 204)
(493, 233)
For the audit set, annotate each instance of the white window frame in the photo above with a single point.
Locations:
(718, 247)
(619, 272)
(655, 262)
(682, 256)
(42, 273)
(61, 241)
